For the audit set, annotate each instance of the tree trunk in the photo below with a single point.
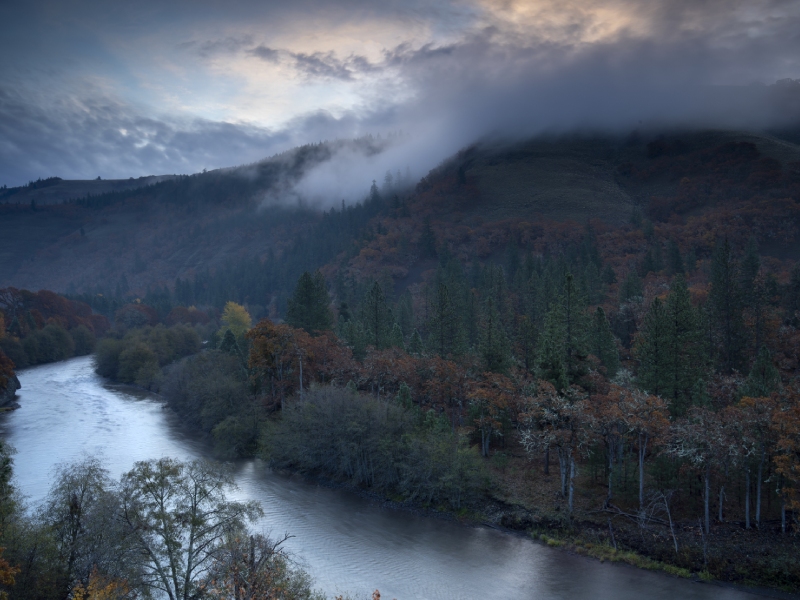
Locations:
(721, 497)
(300, 359)
(547, 461)
(707, 478)
(758, 489)
(610, 471)
(571, 482)
(747, 499)
(562, 467)
(642, 451)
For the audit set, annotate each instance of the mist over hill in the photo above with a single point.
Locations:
(271, 220)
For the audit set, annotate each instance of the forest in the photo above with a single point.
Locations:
(626, 388)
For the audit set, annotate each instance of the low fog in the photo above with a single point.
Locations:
(696, 65)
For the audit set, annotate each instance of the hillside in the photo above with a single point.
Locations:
(249, 220)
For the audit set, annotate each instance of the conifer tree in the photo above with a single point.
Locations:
(376, 317)
(674, 259)
(444, 325)
(494, 345)
(602, 343)
(415, 344)
(564, 343)
(651, 349)
(725, 308)
(763, 378)
(396, 337)
(684, 356)
(427, 241)
(405, 314)
(631, 289)
(552, 366)
(309, 307)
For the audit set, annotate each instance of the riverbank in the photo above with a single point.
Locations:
(348, 543)
(759, 562)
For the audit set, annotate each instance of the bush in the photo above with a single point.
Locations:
(50, 344)
(84, 340)
(138, 364)
(378, 444)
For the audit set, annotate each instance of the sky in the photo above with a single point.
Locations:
(125, 89)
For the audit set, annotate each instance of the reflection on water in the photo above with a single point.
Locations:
(348, 543)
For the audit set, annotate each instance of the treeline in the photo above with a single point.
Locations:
(137, 356)
(95, 537)
(41, 327)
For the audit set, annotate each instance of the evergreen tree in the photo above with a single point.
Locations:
(725, 308)
(427, 241)
(684, 355)
(445, 336)
(356, 338)
(376, 317)
(527, 340)
(763, 378)
(494, 346)
(415, 344)
(309, 307)
(405, 314)
(651, 349)
(674, 259)
(396, 337)
(602, 343)
(565, 343)
(552, 366)
(608, 276)
(631, 289)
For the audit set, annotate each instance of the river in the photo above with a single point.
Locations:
(348, 543)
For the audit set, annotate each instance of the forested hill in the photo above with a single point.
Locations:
(245, 235)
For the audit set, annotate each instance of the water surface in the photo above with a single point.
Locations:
(348, 543)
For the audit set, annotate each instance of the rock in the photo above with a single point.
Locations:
(8, 395)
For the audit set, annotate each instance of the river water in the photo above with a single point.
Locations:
(348, 543)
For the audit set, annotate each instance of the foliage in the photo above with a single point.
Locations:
(377, 443)
(139, 355)
(309, 308)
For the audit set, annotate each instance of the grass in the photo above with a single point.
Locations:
(604, 553)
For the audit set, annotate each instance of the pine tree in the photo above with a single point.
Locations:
(415, 344)
(725, 308)
(631, 289)
(674, 259)
(396, 337)
(405, 313)
(763, 378)
(446, 336)
(427, 241)
(356, 338)
(494, 345)
(376, 317)
(527, 341)
(684, 356)
(651, 349)
(552, 366)
(309, 307)
(564, 344)
(602, 343)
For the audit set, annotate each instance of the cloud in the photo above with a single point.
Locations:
(470, 69)
(324, 65)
